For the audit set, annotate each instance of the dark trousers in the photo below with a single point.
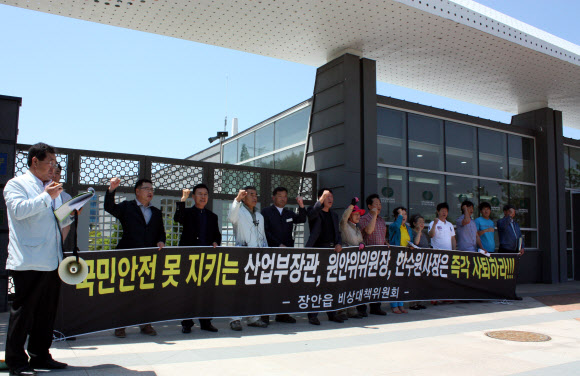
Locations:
(505, 250)
(32, 314)
(374, 307)
(204, 323)
(330, 314)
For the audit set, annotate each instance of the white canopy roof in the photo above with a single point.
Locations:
(457, 49)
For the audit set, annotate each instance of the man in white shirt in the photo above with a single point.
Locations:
(249, 232)
(34, 253)
(441, 232)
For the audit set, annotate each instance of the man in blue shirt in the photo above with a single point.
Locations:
(467, 238)
(509, 232)
(485, 227)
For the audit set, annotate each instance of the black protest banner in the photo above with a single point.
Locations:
(129, 287)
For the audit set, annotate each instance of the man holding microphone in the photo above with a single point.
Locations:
(34, 253)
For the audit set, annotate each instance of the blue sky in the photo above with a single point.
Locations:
(91, 86)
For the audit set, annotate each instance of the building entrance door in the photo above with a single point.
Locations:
(576, 234)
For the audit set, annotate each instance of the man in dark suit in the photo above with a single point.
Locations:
(200, 228)
(279, 223)
(509, 232)
(324, 233)
(142, 226)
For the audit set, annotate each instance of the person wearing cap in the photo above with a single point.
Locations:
(399, 234)
(352, 237)
(349, 230)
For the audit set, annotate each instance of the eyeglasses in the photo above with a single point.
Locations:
(52, 164)
(148, 189)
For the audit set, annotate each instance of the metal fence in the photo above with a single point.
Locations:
(98, 230)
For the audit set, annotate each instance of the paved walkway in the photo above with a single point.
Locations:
(441, 340)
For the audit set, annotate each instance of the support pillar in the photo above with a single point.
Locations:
(550, 190)
(342, 142)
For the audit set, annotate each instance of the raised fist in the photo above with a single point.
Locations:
(241, 195)
(300, 201)
(185, 194)
(115, 182)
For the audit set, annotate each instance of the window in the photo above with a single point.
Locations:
(521, 159)
(246, 147)
(567, 166)
(460, 189)
(290, 159)
(492, 154)
(292, 128)
(231, 152)
(460, 149)
(425, 142)
(568, 212)
(265, 140)
(523, 198)
(392, 143)
(574, 168)
(265, 162)
(392, 190)
(425, 192)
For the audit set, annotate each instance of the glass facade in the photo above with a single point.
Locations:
(279, 144)
(572, 174)
(521, 159)
(424, 161)
(246, 147)
(425, 192)
(392, 190)
(392, 138)
(460, 189)
(572, 166)
(230, 154)
(425, 142)
(492, 154)
(460, 148)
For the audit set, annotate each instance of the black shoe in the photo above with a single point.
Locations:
(421, 306)
(47, 364)
(186, 329)
(364, 314)
(209, 328)
(356, 316)
(378, 312)
(24, 370)
(519, 298)
(265, 319)
(285, 318)
(342, 316)
(337, 318)
(314, 320)
(415, 307)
